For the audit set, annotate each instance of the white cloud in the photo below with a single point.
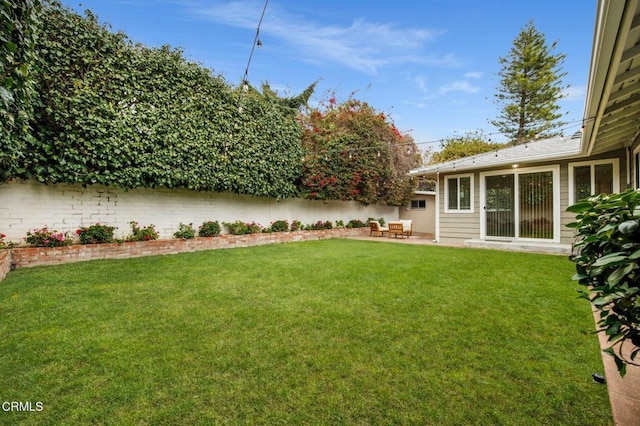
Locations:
(421, 83)
(474, 74)
(463, 86)
(362, 45)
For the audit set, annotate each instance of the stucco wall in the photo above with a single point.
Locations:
(424, 220)
(25, 205)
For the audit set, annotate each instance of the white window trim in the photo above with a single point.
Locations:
(616, 174)
(446, 194)
(555, 169)
(636, 173)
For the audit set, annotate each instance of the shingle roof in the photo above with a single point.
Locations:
(532, 152)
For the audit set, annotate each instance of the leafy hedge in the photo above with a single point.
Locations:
(18, 23)
(608, 266)
(99, 109)
(115, 113)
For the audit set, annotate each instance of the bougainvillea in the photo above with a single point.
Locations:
(353, 152)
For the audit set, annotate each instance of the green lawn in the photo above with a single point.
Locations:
(324, 332)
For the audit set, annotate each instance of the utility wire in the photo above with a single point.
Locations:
(256, 42)
(570, 125)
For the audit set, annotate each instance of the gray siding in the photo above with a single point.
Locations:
(455, 228)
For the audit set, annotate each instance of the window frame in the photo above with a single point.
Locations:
(419, 201)
(636, 167)
(471, 192)
(615, 162)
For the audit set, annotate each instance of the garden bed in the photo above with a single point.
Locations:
(36, 256)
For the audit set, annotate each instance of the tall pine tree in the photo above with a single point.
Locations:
(530, 86)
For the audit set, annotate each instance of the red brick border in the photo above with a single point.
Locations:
(36, 256)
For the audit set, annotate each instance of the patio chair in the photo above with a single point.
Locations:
(407, 226)
(401, 227)
(376, 229)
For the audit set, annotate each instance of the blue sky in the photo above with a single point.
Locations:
(430, 64)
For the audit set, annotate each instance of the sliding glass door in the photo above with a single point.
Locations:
(499, 206)
(520, 204)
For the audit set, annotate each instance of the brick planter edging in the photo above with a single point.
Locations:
(36, 256)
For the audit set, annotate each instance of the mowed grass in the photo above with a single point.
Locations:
(325, 332)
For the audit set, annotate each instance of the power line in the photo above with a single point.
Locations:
(244, 84)
(570, 125)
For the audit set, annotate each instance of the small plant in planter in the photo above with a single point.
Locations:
(185, 232)
(96, 234)
(355, 223)
(209, 229)
(45, 237)
(323, 225)
(280, 226)
(236, 228)
(142, 234)
(254, 228)
(296, 225)
(339, 224)
(380, 220)
(2, 243)
(607, 258)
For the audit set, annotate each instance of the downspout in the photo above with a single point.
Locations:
(437, 236)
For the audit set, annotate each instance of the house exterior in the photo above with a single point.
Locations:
(516, 197)
(421, 210)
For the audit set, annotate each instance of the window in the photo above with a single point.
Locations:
(418, 204)
(459, 194)
(591, 178)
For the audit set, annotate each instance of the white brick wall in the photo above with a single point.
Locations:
(25, 205)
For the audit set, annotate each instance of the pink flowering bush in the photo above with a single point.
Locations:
(48, 238)
(280, 226)
(142, 234)
(96, 234)
(2, 243)
(240, 228)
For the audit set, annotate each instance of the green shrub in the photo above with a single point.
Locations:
(209, 229)
(185, 232)
(240, 228)
(280, 226)
(236, 228)
(96, 234)
(48, 238)
(255, 228)
(296, 225)
(319, 225)
(607, 253)
(380, 220)
(142, 234)
(355, 223)
(339, 224)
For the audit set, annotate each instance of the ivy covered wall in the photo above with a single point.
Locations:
(103, 110)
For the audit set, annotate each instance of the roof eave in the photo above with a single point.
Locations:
(613, 21)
